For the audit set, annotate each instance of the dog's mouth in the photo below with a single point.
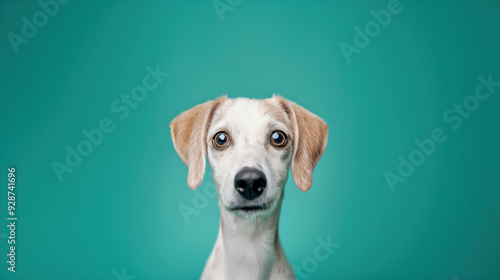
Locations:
(251, 208)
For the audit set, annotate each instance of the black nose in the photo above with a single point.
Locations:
(250, 182)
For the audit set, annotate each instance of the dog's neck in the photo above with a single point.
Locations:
(251, 247)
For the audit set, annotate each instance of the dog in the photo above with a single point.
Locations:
(250, 145)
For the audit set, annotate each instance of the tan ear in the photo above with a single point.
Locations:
(189, 132)
(310, 135)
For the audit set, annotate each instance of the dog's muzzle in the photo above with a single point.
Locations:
(250, 182)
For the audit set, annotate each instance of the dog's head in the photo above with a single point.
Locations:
(251, 144)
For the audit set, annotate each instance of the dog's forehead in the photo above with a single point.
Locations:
(250, 113)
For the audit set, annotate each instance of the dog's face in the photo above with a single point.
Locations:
(250, 146)
(249, 150)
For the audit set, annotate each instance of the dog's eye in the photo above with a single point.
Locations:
(278, 138)
(221, 140)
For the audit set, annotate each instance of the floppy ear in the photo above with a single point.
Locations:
(189, 131)
(310, 135)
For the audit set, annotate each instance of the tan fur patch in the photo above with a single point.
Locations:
(189, 131)
(273, 107)
(311, 136)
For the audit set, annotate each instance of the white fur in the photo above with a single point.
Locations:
(247, 247)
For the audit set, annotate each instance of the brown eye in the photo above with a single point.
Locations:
(278, 138)
(221, 140)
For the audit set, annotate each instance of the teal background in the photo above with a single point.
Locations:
(120, 207)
